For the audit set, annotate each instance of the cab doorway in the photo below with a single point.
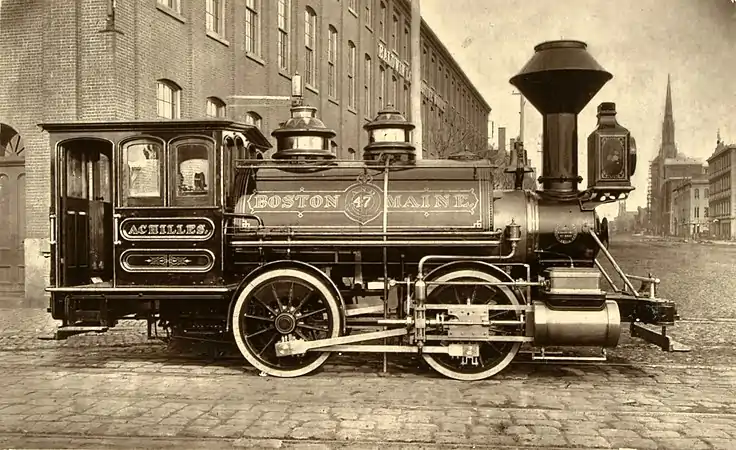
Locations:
(85, 212)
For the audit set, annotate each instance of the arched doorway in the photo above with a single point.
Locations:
(12, 216)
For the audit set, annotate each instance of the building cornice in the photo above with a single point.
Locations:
(431, 36)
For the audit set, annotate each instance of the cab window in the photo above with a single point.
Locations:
(142, 173)
(193, 182)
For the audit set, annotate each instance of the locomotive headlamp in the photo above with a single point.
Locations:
(389, 137)
(611, 157)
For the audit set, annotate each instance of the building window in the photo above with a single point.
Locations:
(253, 118)
(353, 4)
(697, 212)
(407, 102)
(394, 98)
(215, 107)
(432, 73)
(705, 212)
(382, 86)
(425, 65)
(168, 98)
(405, 44)
(697, 194)
(214, 17)
(368, 83)
(705, 194)
(351, 74)
(252, 28)
(171, 4)
(395, 34)
(382, 19)
(283, 39)
(332, 62)
(310, 30)
(368, 15)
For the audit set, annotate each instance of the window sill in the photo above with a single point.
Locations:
(172, 13)
(353, 12)
(218, 38)
(352, 110)
(333, 101)
(255, 58)
(311, 88)
(369, 28)
(285, 74)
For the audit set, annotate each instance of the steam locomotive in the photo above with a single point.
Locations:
(185, 224)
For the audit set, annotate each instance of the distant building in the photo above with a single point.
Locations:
(666, 171)
(722, 199)
(625, 221)
(690, 208)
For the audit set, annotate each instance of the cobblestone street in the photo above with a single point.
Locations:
(119, 390)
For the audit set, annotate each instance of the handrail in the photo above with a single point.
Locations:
(613, 263)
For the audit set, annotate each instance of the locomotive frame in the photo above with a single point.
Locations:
(448, 268)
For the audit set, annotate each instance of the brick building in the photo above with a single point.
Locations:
(722, 165)
(690, 207)
(102, 60)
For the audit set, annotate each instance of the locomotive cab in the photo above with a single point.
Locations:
(140, 206)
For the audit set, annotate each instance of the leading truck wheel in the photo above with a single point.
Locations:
(282, 305)
(494, 356)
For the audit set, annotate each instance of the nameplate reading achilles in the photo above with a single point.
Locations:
(179, 229)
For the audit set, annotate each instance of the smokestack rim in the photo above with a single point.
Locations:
(561, 43)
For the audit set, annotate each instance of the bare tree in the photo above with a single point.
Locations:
(455, 137)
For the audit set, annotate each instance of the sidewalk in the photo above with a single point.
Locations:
(24, 329)
(685, 240)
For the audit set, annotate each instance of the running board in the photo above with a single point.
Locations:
(62, 333)
(661, 340)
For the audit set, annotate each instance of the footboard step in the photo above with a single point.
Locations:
(62, 333)
(661, 340)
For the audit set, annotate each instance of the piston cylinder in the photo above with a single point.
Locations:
(578, 327)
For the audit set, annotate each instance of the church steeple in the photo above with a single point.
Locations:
(668, 149)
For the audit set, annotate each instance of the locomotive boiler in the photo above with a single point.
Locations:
(301, 255)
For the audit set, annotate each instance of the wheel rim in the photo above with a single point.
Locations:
(280, 305)
(494, 356)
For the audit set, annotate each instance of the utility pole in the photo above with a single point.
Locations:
(416, 77)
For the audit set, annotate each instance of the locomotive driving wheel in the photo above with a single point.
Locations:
(282, 305)
(493, 356)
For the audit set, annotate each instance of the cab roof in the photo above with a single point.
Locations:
(252, 132)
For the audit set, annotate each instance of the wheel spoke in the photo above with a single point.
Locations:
(312, 313)
(291, 292)
(269, 343)
(265, 305)
(269, 328)
(299, 333)
(251, 316)
(304, 301)
(276, 296)
(310, 327)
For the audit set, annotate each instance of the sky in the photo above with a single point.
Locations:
(639, 41)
